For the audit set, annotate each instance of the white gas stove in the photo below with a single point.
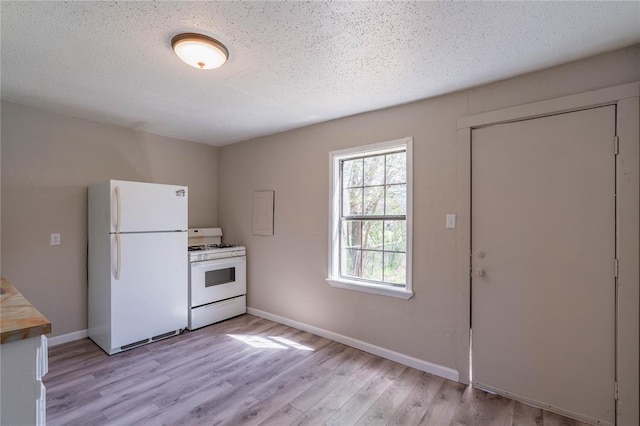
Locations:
(217, 278)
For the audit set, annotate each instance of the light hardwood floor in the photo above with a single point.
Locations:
(248, 371)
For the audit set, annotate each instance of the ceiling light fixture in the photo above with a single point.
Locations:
(200, 51)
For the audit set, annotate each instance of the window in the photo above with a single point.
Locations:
(370, 219)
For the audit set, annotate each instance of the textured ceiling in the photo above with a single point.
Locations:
(291, 63)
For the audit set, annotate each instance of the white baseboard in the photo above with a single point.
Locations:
(69, 337)
(407, 360)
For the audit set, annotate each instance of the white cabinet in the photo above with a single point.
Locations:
(23, 397)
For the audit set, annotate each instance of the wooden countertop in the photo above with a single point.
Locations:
(18, 318)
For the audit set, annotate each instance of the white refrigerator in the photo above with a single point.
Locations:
(138, 263)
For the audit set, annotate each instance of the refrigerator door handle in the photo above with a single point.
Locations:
(119, 209)
(118, 256)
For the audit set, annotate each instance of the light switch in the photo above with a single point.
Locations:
(451, 221)
(55, 240)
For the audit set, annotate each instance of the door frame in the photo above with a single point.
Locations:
(626, 97)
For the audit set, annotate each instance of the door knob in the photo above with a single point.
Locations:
(480, 273)
(480, 253)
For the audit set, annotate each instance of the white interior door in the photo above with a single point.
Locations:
(543, 250)
(150, 297)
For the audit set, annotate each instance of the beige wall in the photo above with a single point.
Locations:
(48, 160)
(287, 271)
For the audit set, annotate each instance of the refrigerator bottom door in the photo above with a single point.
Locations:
(150, 297)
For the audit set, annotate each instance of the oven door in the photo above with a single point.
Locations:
(215, 280)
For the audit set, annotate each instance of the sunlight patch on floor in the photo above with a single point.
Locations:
(272, 342)
(291, 343)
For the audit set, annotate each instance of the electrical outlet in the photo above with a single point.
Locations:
(55, 240)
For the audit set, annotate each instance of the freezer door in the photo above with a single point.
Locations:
(150, 296)
(148, 207)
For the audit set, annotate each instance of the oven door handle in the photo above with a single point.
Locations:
(219, 263)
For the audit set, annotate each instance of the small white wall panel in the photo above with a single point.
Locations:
(263, 213)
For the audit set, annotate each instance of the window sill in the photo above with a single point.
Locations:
(370, 288)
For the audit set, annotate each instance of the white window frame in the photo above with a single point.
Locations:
(335, 157)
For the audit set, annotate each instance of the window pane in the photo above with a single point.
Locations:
(395, 269)
(374, 200)
(395, 235)
(350, 264)
(396, 200)
(352, 202)
(396, 168)
(372, 237)
(374, 171)
(372, 265)
(351, 234)
(372, 234)
(352, 173)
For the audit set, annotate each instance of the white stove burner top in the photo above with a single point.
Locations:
(208, 252)
(206, 244)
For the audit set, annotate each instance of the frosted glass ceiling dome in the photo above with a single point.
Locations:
(200, 51)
